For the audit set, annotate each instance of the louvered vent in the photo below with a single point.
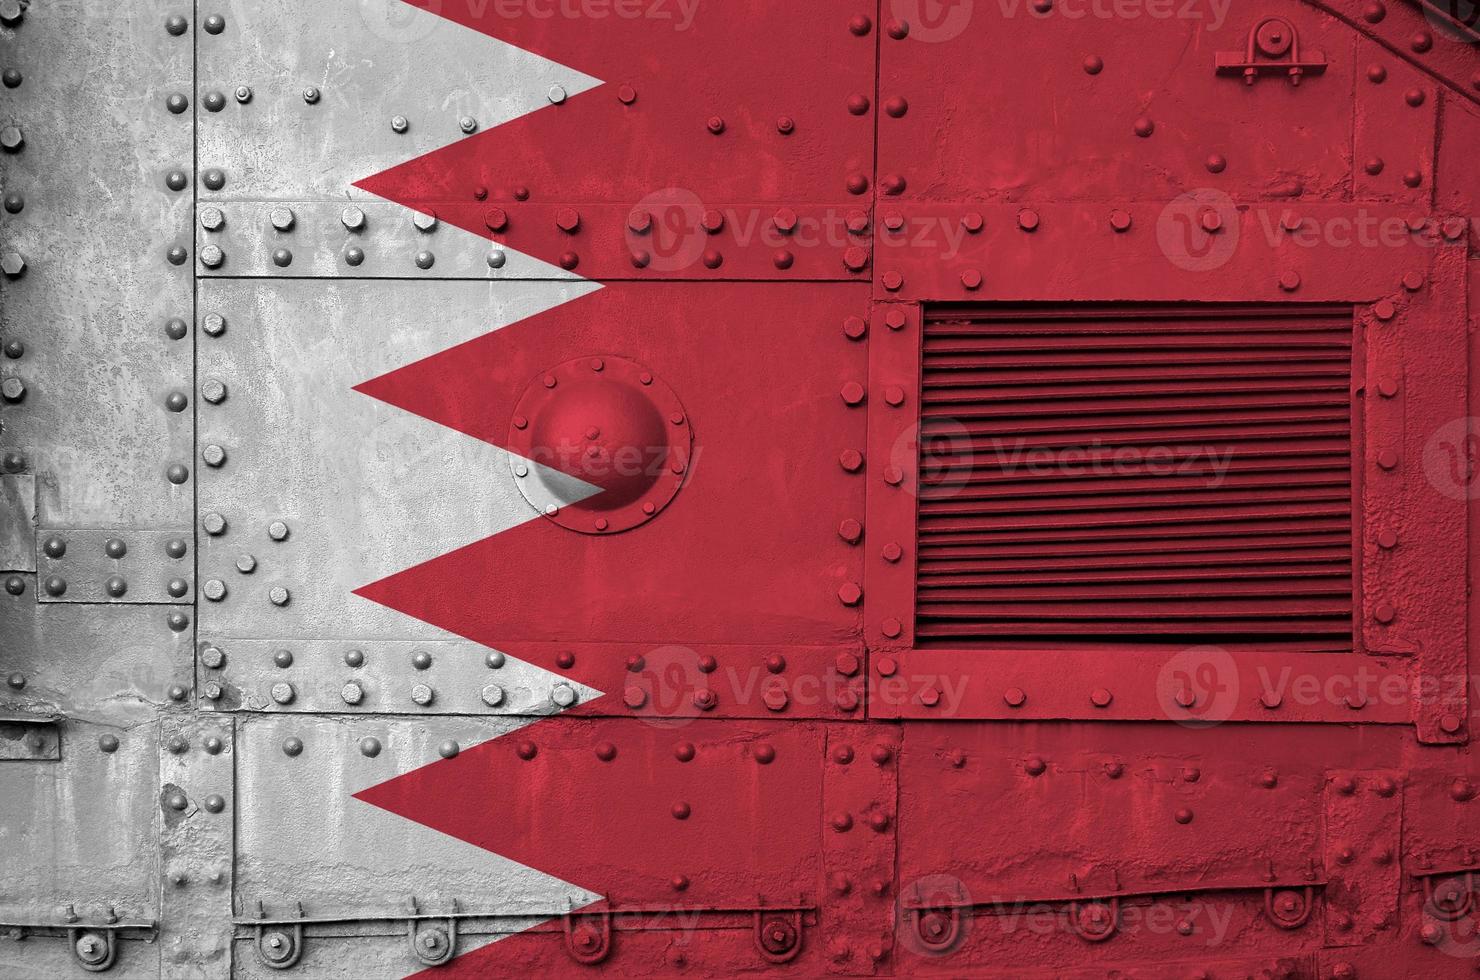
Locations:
(1114, 475)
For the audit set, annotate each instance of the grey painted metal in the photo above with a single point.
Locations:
(146, 803)
(370, 61)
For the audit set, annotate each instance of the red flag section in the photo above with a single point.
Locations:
(743, 414)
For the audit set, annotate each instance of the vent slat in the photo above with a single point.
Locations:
(1096, 476)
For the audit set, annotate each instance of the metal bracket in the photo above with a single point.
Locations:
(1446, 899)
(1095, 921)
(938, 927)
(589, 943)
(778, 934)
(279, 949)
(1287, 907)
(32, 738)
(1273, 48)
(94, 945)
(432, 945)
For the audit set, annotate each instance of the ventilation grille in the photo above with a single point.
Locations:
(1095, 475)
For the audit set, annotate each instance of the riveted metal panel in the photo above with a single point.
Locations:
(94, 223)
(424, 685)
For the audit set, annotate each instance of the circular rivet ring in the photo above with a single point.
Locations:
(613, 428)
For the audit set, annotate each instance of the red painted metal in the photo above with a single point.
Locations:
(862, 714)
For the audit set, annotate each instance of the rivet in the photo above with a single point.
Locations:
(783, 258)
(175, 256)
(1421, 41)
(425, 260)
(496, 259)
(15, 203)
(681, 811)
(108, 743)
(213, 101)
(896, 106)
(292, 746)
(1414, 97)
(1412, 178)
(175, 548)
(858, 104)
(421, 660)
(569, 260)
(1216, 163)
(494, 659)
(176, 692)
(448, 749)
(177, 801)
(1035, 766)
(859, 25)
(857, 184)
(282, 257)
(1094, 64)
(606, 751)
(177, 103)
(1183, 815)
(55, 585)
(892, 184)
(1144, 127)
(898, 29)
(370, 746)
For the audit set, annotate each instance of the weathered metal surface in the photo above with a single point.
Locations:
(487, 489)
